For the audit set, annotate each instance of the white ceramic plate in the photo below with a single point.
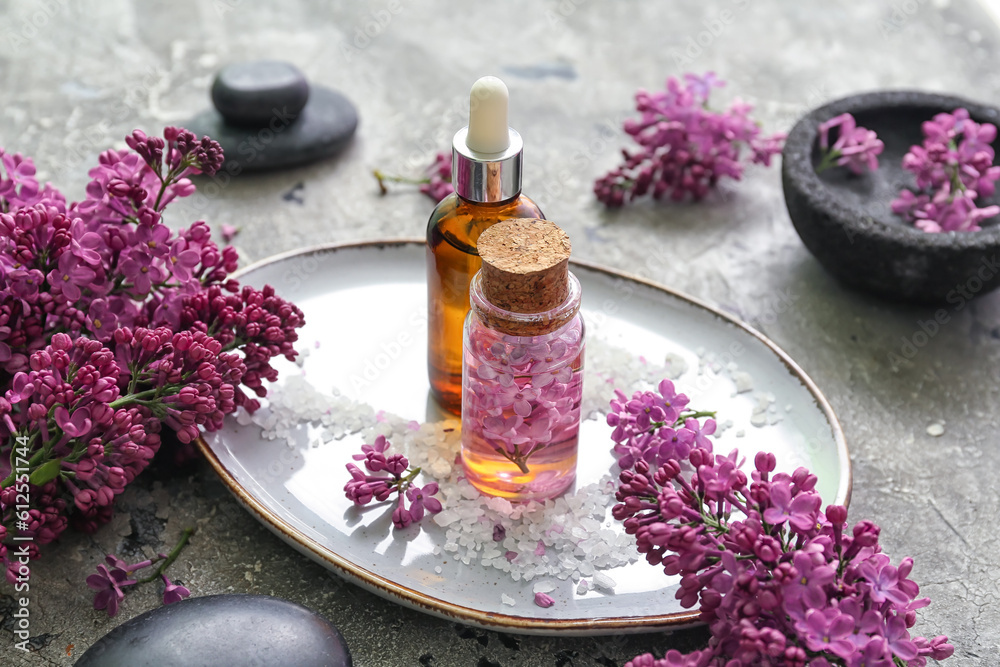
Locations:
(365, 304)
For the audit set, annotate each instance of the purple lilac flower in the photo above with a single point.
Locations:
(655, 426)
(395, 477)
(544, 601)
(101, 320)
(684, 146)
(75, 425)
(402, 517)
(70, 276)
(770, 574)
(108, 584)
(800, 510)
(944, 213)
(807, 588)
(173, 592)
(827, 630)
(856, 148)
(73, 272)
(953, 168)
(228, 232)
(438, 185)
(140, 270)
(153, 239)
(517, 397)
(423, 499)
(182, 259)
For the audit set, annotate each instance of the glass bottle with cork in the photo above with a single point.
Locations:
(522, 364)
(486, 173)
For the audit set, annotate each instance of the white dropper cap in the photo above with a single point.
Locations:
(488, 116)
(486, 155)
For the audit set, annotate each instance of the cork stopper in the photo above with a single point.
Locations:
(525, 265)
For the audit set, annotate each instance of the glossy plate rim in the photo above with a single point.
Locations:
(490, 620)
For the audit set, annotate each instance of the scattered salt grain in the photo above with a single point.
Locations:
(507, 600)
(676, 365)
(743, 381)
(762, 403)
(438, 569)
(604, 582)
(936, 429)
(582, 587)
(544, 587)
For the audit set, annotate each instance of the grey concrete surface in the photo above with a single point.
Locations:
(77, 76)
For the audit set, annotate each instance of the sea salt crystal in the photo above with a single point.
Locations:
(438, 569)
(500, 505)
(936, 429)
(543, 587)
(507, 600)
(243, 418)
(743, 381)
(675, 365)
(582, 587)
(445, 518)
(604, 582)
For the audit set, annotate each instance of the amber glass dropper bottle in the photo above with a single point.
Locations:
(486, 173)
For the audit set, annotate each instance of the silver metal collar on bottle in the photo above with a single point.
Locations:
(486, 177)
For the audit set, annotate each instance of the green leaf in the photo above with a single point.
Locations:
(46, 472)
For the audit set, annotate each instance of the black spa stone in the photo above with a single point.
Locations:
(286, 137)
(846, 221)
(244, 630)
(249, 94)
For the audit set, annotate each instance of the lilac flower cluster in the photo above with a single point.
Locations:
(112, 326)
(363, 488)
(777, 580)
(656, 426)
(685, 147)
(856, 147)
(436, 184)
(115, 574)
(953, 167)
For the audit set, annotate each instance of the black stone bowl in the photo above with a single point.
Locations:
(846, 221)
